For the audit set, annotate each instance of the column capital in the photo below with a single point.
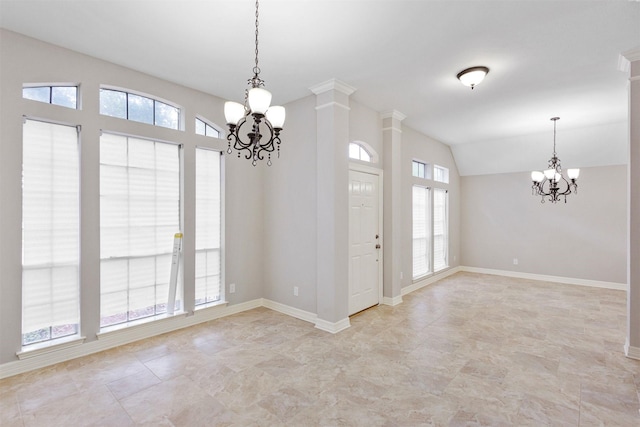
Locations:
(626, 58)
(332, 84)
(393, 114)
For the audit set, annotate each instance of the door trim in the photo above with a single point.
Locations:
(358, 167)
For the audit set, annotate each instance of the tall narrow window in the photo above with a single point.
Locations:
(139, 215)
(440, 229)
(50, 232)
(421, 232)
(207, 226)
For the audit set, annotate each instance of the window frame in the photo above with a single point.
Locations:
(424, 166)
(51, 87)
(52, 264)
(427, 226)
(444, 171)
(153, 99)
(207, 125)
(180, 209)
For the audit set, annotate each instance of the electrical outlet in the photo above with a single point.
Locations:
(515, 261)
(295, 291)
(232, 288)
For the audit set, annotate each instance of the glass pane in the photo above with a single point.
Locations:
(37, 93)
(200, 127)
(364, 155)
(166, 115)
(354, 151)
(211, 131)
(140, 109)
(415, 168)
(113, 103)
(64, 96)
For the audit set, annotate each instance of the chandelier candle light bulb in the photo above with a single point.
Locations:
(551, 183)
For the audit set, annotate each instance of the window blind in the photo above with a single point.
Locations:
(208, 224)
(139, 215)
(50, 231)
(421, 231)
(440, 229)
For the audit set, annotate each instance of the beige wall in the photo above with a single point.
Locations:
(584, 239)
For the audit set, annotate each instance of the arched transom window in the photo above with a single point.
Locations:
(358, 152)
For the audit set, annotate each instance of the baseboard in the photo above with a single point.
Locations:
(429, 280)
(631, 352)
(290, 311)
(545, 278)
(392, 301)
(331, 327)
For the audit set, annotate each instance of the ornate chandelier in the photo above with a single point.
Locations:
(265, 118)
(551, 183)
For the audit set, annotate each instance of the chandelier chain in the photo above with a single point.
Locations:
(256, 70)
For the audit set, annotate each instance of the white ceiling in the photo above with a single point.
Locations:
(547, 58)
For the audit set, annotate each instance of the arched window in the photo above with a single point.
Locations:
(359, 152)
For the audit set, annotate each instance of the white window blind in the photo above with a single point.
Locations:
(421, 232)
(139, 215)
(50, 231)
(440, 229)
(208, 223)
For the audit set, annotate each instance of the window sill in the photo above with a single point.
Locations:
(210, 304)
(39, 349)
(108, 330)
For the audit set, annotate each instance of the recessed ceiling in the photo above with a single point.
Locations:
(547, 58)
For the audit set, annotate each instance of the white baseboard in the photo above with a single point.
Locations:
(429, 280)
(290, 311)
(392, 301)
(331, 327)
(631, 352)
(545, 278)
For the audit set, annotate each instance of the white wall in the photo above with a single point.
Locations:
(584, 239)
(25, 60)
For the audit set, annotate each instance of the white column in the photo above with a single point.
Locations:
(332, 139)
(392, 142)
(632, 346)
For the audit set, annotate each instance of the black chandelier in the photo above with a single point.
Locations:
(257, 105)
(551, 183)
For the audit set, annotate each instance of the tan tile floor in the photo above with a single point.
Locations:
(469, 350)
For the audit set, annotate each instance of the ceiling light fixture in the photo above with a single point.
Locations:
(553, 179)
(472, 76)
(257, 105)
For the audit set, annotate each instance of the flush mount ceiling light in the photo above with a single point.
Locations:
(551, 182)
(472, 76)
(257, 105)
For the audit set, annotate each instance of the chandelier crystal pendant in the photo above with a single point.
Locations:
(266, 119)
(551, 183)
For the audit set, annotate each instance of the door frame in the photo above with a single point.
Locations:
(359, 167)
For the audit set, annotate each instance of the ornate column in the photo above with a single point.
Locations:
(332, 139)
(391, 142)
(632, 346)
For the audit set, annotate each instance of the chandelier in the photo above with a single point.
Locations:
(551, 183)
(257, 114)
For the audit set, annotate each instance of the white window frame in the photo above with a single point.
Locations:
(208, 125)
(51, 233)
(155, 254)
(440, 257)
(208, 246)
(441, 174)
(421, 219)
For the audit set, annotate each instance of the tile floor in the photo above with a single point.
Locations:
(469, 350)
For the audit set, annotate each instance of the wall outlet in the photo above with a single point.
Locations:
(515, 261)
(232, 288)
(295, 291)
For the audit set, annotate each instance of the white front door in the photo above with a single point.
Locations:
(364, 241)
